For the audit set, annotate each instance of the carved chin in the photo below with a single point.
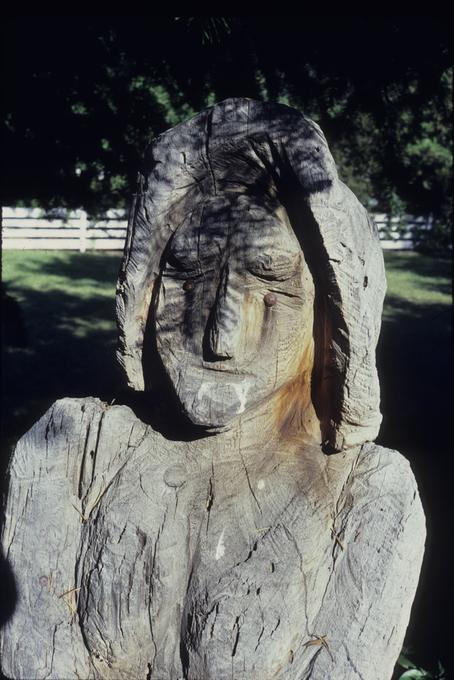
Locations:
(215, 404)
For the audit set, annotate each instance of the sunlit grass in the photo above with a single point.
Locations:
(418, 278)
(79, 274)
(66, 308)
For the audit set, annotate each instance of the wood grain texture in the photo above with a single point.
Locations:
(267, 158)
(204, 560)
(213, 537)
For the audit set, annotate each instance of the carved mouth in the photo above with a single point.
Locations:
(219, 367)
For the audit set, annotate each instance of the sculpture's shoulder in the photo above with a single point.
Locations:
(381, 494)
(76, 434)
(387, 473)
(80, 479)
(377, 534)
(382, 510)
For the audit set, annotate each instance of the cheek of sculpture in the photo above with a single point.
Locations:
(225, 353)
(293, 408)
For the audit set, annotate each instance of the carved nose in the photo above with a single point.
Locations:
(226, 319)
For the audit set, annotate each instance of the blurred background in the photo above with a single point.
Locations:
(84, 95)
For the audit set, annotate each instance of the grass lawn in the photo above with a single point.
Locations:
(67, 348)
(67, 305)
(414, 358)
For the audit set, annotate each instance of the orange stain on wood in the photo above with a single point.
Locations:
(295, 414)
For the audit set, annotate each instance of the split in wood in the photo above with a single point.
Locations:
(67, 592)
(319, 640)
(83, 517)
(334, 533)
(71, 606)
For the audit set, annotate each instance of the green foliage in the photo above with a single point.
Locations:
(85, 95)
(415, 673)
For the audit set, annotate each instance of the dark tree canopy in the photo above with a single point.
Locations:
(85, 94)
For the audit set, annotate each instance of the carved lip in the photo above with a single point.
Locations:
(220, 368)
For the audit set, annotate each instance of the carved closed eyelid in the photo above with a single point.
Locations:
(178, 263)
(191, 259)
(278, 268)
(189, 273)
(275, 277)
(274, 261)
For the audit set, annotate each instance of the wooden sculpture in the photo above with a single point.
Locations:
(244, 526)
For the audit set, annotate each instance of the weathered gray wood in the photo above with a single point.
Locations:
(244, 156)
(204, 560)
(214, 537)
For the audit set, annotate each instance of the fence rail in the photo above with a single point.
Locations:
(61, 229)
(398, 233)
(36, 229)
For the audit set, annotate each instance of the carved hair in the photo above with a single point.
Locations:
(268, 152)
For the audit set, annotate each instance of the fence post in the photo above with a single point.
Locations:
(83, 220)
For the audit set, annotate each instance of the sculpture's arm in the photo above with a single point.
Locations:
(60, 470)
(378, 545)
(43, 511)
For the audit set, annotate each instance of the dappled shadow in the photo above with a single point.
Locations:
(400, 311)
(13, 333)
(102, 268)
(414, 359)
(423, 265)
(70, 352)
(434, 273)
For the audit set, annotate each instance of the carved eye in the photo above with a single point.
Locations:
(188, 285)
(270, 299)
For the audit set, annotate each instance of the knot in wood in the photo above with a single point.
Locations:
(175, 476)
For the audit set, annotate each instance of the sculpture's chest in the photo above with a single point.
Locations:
(207, 573)
(249, 604)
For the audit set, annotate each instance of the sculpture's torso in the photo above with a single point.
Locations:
(203, 559)
(208, 567)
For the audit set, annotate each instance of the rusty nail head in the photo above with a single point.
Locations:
(270, 299)
(188, 285)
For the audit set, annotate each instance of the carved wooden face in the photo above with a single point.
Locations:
(234, 310)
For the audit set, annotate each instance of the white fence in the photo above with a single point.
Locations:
(397, 233)
(61, 229)
(36, 229)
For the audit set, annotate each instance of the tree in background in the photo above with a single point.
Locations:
(84, 95)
